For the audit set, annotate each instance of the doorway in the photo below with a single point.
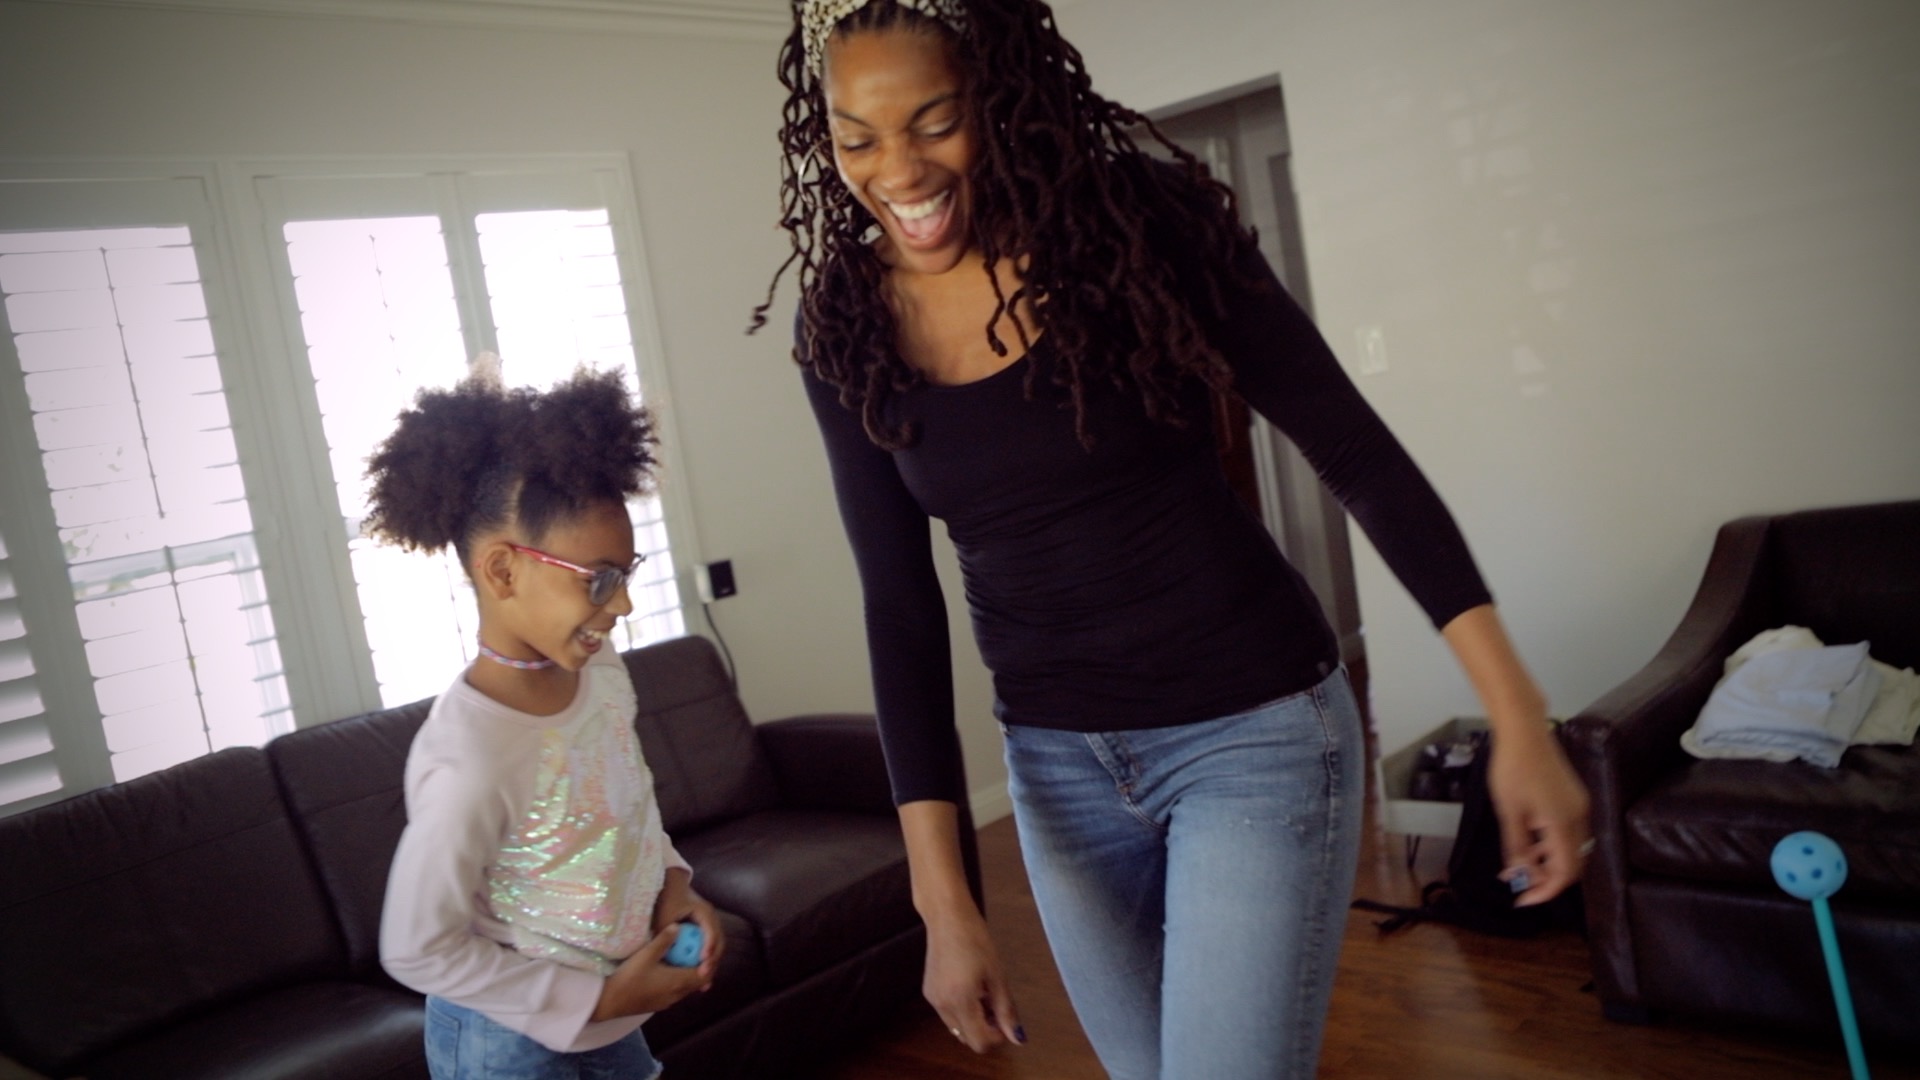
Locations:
(1241, 135)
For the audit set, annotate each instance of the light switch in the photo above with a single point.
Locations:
(1373, 350)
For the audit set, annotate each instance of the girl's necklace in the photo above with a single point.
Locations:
(523, 665)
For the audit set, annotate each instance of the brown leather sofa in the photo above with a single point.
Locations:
(1682, 911)
(221, 918)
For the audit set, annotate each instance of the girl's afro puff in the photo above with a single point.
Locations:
(477, 456)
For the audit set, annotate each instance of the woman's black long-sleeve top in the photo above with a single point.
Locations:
(1123, 586)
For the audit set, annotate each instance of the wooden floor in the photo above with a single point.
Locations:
(1429, 1003)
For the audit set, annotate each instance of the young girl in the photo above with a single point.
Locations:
(1015, 321)
(533, 895)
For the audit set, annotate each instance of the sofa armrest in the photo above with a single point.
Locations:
(1630, 737)
(834, 762)
(1626, 741)
(829, 762)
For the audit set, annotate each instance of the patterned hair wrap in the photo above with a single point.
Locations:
(819, 17)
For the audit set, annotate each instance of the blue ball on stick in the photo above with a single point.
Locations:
(1811, 866)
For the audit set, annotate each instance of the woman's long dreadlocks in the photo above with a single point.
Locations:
(1059, 184)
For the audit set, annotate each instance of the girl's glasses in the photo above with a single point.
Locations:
(601, 584)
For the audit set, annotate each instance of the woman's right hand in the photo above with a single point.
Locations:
(964, 981)
(966, 985)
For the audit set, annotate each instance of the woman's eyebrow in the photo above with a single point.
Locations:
(917, 113)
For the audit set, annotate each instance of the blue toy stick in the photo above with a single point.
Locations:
(1810, 865)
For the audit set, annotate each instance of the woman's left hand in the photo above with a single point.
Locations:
(679, 903)
(1544, 829)
(1542, 806)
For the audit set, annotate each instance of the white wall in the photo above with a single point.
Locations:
(1642, 266)
(697, 118)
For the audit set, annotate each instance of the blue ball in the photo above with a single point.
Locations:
(1809, 865)
(685, 951)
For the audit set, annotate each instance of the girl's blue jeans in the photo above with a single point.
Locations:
(465, 1045)
(1193, 881)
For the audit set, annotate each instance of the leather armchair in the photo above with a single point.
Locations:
(1682, 911)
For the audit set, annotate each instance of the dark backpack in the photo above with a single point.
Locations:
(1473, 896)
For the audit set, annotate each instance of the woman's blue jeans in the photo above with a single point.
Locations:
(466, 1045)
(1193, 881)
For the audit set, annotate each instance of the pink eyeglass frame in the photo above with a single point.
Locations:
(613, 576)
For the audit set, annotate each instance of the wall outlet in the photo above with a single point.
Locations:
(714, 580)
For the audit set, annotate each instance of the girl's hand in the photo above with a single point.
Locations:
(966, 985)
(1542, 805)
(644, 983)
(679, 903)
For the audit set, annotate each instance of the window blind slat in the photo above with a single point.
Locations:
(27, 766)
(138, 459)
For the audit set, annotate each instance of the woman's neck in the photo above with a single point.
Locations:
(941, 320)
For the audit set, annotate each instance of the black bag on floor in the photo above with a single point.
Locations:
(1473, 896)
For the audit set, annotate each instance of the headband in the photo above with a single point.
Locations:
(819, 17)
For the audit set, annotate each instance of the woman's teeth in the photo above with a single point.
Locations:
(923, 220)
(926, 208)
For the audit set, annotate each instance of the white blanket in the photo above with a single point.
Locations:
(1786, 696)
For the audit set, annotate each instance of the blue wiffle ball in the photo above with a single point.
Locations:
(1809, 865)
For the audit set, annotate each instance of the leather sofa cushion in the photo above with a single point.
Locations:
(819, 885)
(131, 907)
(707, 764)
(344, 782)
(1718, 821)
(829, 761)
(1850, 574)
(1755, 957)
(741, 980)
(317, 1031)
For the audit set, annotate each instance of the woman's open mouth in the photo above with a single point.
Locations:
(924, 224)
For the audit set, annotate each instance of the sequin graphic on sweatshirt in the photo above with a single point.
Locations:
(576, 881)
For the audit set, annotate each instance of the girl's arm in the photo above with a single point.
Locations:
(456, 817)
(678, 903)
(644, 983)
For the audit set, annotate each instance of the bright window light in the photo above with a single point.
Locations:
(554, 287)
(378, 312)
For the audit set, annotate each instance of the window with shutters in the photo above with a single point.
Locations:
(382, 314)
(182, 520)
(130, 420)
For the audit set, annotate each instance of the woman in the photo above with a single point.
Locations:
(1013, 320)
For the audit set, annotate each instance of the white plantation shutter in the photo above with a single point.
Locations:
(390, 304)
(554, 288)
(379, 321)
(130, 418)
(27, 765)
(195, 361)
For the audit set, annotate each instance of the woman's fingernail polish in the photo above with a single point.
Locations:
(1020, 1035)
